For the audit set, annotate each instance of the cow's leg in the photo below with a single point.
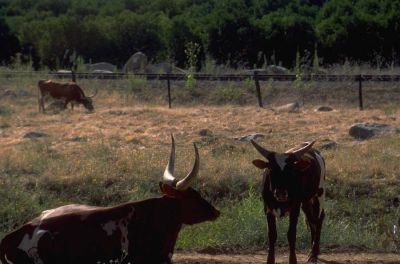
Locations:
(291, 234)
(312, 220)
(272, 235)
(66, 103)
(315, 216)
(41, 104)
(315, 248)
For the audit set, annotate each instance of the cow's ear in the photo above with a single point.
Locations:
(302, 164)
(260, 164)
(170, 191)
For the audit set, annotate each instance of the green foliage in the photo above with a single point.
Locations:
(229, 32)
(192, 50)
(9, 43)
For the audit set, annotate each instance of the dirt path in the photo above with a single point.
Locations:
(260, 257)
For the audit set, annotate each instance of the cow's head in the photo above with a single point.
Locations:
(88, 102)
(192, 207)
(282, 169)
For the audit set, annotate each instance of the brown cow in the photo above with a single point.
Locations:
(70, 92)
(137, 232)
(292, 180)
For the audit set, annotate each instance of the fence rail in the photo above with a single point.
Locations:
(212, 77)
(255, 75)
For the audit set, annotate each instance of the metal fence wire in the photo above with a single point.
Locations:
(356, 82)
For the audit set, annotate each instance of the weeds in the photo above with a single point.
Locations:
(119, 153)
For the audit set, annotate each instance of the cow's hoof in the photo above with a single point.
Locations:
(312, 259)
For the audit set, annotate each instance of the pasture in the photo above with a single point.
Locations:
(118, 153)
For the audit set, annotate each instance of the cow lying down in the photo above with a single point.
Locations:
(69, 92)
(141, 232)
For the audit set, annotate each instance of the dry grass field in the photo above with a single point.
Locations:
(119, 151)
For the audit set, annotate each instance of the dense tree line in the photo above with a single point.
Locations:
(244, 33)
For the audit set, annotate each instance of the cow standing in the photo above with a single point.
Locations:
(292, 180)
(69, 92)
(137, 232)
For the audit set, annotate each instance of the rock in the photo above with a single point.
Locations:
(290, 108)
(367, 130)
(79, 139)
(329, 144)
(5, 111)
(101, 66)
(100, 72)
(23, 93)
(9, 93)
(136, 62)
(276, 69)
(35, 134)
(249, 137)
(4, 125)
(324, 109)
(206, 133)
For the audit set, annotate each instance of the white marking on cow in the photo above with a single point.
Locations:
(7, 260)
(281, 160)
(45, 214)
(123, 227)
(321, 198)
(30, 245)
(109, 227)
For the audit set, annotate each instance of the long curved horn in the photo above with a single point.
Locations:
(93, 95)
(168, 176)
(187, 181)
(304, 149)
(263, 151)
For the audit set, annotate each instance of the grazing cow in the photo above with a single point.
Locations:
(292, 180)
(135, 232)
(70, 92)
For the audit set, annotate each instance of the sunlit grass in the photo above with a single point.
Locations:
(119, 152)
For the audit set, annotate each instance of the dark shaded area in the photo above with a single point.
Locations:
(236, 33)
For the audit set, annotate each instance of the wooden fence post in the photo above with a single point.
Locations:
(73, 77)
(360, 92)
(258, 90)
(169, 91)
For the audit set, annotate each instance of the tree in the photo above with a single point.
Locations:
(9, 43)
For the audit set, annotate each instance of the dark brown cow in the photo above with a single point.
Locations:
(292, 180)
(70, 92)
(141, 232)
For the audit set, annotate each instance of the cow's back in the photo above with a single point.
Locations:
(57, 90)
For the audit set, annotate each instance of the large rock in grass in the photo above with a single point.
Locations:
(101, 66)
(250, 137)
(324, 108)
(35, 134)
(289, 108)
(368, 130)
(328, 144)
(136, 63)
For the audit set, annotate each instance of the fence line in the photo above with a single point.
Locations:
(256, 76)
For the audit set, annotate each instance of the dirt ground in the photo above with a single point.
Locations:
(260, 257)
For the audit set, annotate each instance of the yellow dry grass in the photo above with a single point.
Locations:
(151, 125)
